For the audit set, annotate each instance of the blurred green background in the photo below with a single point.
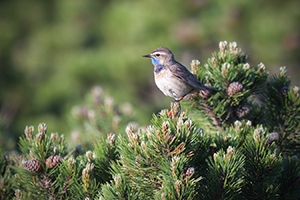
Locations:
(53, 51)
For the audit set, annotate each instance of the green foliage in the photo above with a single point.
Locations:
(229, 72)
(223, 175)
(239, 143)
(5, 176)
(262, 167)
(249, 93)
(99, 116)
(161, 160)
(52, 52)
(41, 145)
(289, 178)
(106, 153)
(282, 106)
(46, 170)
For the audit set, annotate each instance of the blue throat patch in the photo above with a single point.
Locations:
(155, 62)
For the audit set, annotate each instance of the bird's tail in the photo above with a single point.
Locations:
(207, 87)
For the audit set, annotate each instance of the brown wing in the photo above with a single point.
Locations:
(185, 75)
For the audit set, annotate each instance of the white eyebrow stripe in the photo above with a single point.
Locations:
(160, 52)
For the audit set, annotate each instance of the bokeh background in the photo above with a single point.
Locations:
(53, 51)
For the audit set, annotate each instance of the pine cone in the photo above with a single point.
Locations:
(273, 136)
(32, 165)
(52, 161)
(234, 88)
(45, 182)
(190, 171)
(242, 111)
(284, 90)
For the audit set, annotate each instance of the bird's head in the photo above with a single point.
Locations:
(160, 56)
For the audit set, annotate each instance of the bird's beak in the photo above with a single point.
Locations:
(147, 56)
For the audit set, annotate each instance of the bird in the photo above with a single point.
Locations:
(171, 77)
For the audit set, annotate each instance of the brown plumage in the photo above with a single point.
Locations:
(171, 77)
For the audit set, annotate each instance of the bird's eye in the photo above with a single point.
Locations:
(157, 55)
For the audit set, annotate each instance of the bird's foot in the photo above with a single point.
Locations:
(180, 98)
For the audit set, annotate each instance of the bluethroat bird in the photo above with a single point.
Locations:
(171, 77)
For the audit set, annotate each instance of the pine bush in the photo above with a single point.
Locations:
(239, 143)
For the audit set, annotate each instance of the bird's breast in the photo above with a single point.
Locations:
(159, 72)
(170, 85)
